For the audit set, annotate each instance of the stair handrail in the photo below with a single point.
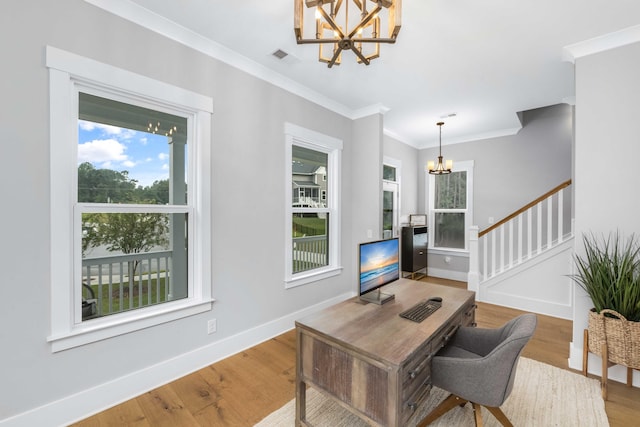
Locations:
(525, 208)
(474, 275)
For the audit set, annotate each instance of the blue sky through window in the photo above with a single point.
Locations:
(144, 155)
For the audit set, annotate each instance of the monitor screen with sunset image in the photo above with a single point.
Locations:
(379, 265)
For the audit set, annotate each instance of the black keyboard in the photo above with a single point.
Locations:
(421, 310)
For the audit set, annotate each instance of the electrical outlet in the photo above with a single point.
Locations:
(212, 326)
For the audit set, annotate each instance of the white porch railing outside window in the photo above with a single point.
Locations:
(114, 284)
(309, 253)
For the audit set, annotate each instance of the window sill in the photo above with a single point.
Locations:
(451, 252)
(115, 325)
(310, 277)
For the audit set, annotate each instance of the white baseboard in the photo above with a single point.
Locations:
(81, 405)
(460, 276)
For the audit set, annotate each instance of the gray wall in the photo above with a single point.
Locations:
(607, 149)
(247, 197)
(364, 191)
(509, 171)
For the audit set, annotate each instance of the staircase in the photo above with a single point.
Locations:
(524, 260)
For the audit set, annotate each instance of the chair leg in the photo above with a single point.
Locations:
(477, 414)
(444, 407)
(500, 416)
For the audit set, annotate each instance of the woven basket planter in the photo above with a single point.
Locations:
(621, 336)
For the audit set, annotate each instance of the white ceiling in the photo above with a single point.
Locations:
(485, 60)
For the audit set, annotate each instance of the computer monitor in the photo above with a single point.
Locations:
(378, 265)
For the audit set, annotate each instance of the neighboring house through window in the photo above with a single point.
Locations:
(312, 213)
(130, 201)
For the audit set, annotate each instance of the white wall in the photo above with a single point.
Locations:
(247, 200)
(607, 149)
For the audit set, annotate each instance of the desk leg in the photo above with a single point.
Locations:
(301, 387)
(301, 403)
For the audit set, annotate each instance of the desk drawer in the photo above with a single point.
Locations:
(443, 337)
(466, 317)
(416, 372)
(469, 317)
(415, 401)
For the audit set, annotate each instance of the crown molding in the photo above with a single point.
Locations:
(369, 111)
(167, 28)
(399, 138)
(601, 43)
(474, 137)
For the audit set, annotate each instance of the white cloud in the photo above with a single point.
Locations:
(104, 151)
(163, 156)
(128, 163)
(165, 167)
(88, 126)
(146, 179)
(107, 129)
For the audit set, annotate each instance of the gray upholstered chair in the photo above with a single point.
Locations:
(479, 366)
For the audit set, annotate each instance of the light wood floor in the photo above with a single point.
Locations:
(248, 386)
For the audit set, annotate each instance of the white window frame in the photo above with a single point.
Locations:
(397, 165)
(461, 166)
(299, 136)
(69, 74)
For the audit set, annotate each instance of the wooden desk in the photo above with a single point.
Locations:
(372, 361)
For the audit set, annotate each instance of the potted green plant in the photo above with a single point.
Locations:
(609, 272)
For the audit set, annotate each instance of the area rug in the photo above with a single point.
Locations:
(542, 395)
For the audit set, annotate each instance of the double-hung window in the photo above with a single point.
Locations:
(312, 213)
(130, 209)
(450, 207)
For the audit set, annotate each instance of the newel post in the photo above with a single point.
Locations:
(473, 278)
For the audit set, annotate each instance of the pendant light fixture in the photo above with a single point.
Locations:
(440, 168)
(338, 27)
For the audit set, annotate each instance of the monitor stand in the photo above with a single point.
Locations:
(377, 297)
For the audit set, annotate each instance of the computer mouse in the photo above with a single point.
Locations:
(437, 299)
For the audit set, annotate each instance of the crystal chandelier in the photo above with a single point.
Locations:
(440, 168)
(332, 26)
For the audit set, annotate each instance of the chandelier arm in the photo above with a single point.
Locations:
(371, 40)
(331, 22)
(360, 55)
(318, 41)
(364, 22)
(335, 56)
